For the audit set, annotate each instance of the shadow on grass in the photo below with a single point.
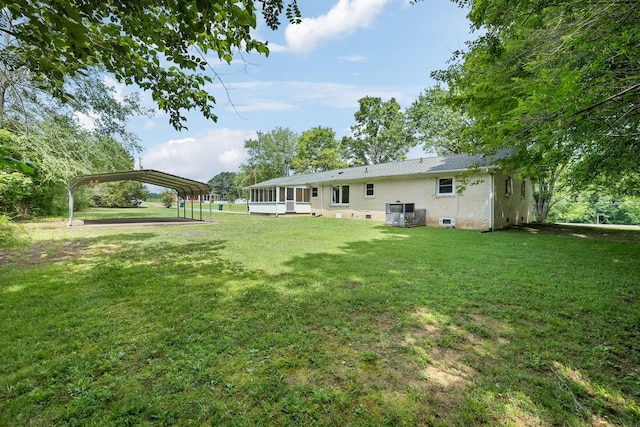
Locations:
(421, 327)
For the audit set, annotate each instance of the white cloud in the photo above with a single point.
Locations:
(344, 18)
(265, 105)
(149, 124)
(181, 141)
(289, 95)
(230, 158)
(119, 89)
(338, 95)
(86, 121)
(200, 157)
(352, 58)
(275, 47)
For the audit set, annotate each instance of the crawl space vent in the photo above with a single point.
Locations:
(447, 222)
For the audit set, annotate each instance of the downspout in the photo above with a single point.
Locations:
(321, 200)
(491, 202)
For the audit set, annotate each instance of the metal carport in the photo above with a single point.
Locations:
(182, 186)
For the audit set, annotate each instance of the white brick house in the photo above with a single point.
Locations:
(460, 190)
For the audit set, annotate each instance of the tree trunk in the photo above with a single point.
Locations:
(4, 73)
(544, 188)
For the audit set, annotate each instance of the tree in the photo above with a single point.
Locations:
(436, 124)
(569, 65)
(48, 136)
(62, 150)
(15, 182)
(594, 206)
(167, 197)
(380, 134)
(559, 83)
(271, 154)
(122, 194)
(58, 40)
(318, 150)
(224, 184)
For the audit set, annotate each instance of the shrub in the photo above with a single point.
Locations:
(11, 235)
(167, 198)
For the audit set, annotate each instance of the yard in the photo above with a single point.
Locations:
(315, 321)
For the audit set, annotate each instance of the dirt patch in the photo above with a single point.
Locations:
(39, 254)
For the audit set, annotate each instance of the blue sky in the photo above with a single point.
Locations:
(316, 72)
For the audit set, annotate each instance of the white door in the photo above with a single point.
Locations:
(290, 200)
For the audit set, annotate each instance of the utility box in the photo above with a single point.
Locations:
(404, 215)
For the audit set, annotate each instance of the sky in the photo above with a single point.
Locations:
(314, 76)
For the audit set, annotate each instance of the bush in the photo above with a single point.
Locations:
(11, 235)
(123, 194)
(167, 198)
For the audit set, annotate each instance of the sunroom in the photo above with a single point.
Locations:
(279, 200)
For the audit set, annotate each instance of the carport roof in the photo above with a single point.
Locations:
(182, 186)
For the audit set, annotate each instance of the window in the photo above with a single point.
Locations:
(314, 192)
(340, 195)
(302, 195)
(445, 186)
(507, 187)
(523, 189)
(263, 194)
(369, 190)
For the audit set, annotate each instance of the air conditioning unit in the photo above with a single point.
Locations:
(404, 215)
(447, 222)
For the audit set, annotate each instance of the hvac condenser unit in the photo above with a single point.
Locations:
(404, 215)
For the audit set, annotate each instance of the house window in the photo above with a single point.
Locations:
(369, 190)
(445, 186)
(302, 195)
(508, 187)
(523, 189)
(314, 192)
(340, 195)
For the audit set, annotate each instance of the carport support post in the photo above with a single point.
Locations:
(70, 206)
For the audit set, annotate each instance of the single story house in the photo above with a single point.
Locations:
(461, 190)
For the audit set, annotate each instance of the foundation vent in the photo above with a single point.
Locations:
(447, 222)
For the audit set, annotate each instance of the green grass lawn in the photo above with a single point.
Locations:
(254, 320)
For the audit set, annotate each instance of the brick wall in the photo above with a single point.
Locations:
(469, 208)
(514, 208)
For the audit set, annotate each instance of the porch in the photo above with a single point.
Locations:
(280, 200)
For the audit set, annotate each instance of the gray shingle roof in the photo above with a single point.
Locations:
(406, 168)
